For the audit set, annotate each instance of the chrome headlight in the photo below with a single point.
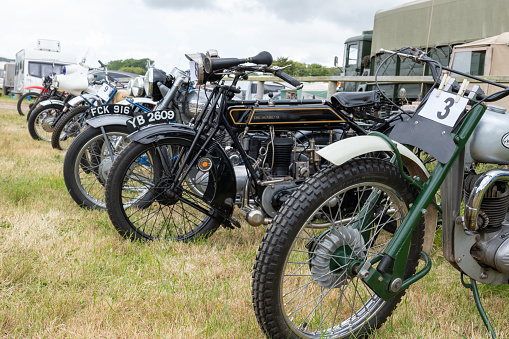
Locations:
(152, 77)
(135, 87)
(130, 87)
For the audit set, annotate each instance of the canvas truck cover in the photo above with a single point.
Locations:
(496, 62)
(453, 22)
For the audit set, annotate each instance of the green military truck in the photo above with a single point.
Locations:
(436, 26)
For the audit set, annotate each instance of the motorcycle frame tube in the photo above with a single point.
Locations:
(223, 199)
(394, 258)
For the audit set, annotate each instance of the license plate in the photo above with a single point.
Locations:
(105, 91)
(110, 109)
(150, 118)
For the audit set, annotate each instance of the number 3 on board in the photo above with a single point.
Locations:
(443, 109)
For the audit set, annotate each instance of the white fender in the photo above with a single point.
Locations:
(138, 101)
(81, 98)
(341, 151)
(51, 102)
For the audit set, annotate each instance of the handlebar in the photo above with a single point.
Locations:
(289, 79)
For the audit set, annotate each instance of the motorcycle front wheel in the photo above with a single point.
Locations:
(69, 127)
(88, 161)
(143, 201)
(40, 123)
(26, 102)
(304, 284)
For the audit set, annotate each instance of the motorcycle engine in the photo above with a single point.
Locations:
(492, 246)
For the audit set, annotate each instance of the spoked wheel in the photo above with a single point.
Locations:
(40, 123)
(69, 127)
(26, 102)
(88, 162)
(304, 281)
(144, 201)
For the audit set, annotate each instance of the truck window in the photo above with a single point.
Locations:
(353, 51)
(470, 62)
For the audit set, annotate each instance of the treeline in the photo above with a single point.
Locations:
(299, 69)
(138, 66)
(296, 69)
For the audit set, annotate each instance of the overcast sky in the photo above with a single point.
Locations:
(310, 31)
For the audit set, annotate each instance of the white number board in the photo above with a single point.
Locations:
(443, 109)
(105, 91)
(193, 68)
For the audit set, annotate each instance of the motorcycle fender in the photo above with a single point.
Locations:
(138, 101)
(52, 102)
(81, 98)
(344, 150)
(108, 120)
(223, 197)
(35, 87)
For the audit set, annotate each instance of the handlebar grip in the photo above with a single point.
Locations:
(100, 63)
(288, 78)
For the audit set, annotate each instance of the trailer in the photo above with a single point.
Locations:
(32, 65)
(8, 77)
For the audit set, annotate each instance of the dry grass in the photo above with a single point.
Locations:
(65, 272)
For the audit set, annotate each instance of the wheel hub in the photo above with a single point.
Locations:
(104, 168)
(331, 253)
(47, 123)
(165, 195)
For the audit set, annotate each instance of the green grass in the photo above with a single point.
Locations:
(65, 271)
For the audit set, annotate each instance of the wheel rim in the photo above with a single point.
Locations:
(42, 124)
(93, 163)
(319, 292)
(155, 210)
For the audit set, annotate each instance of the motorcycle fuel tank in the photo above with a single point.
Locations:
(490, 141)
(287, 116)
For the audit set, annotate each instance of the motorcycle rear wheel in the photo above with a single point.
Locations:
(88, 161)
(140, 203)
(303, 286)
(69, 127)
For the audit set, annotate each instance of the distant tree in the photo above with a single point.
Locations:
(117, 65)
(299, 69)
(137, 70)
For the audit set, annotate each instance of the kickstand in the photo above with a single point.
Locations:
(473, 287)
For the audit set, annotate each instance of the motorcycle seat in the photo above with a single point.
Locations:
(355, 99)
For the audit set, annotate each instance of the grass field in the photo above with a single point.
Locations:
(65, 272)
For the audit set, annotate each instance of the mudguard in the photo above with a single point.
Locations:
(223, 197)
(109, 119)
(138, 101)
(35, 87)
(341, 151)
(52, 102)
(81, 98)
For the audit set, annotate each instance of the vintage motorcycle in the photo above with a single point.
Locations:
(90, 156)
(182, 182)
(343, 249)
(47, 91)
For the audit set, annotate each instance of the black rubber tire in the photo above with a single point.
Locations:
(279, 268)
(32, 95)
(149, 215)
(69, 127)
(38, 123)
(84, 161)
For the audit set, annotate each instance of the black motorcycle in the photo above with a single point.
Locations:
(182, 182)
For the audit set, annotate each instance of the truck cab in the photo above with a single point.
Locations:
(356, 59)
